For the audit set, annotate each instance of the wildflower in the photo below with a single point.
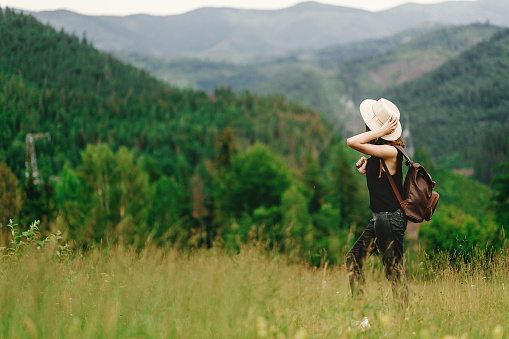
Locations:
(362, 325)
(261, 327)
(301, 334)
(386, 321)
(497, 332)
(425, 334)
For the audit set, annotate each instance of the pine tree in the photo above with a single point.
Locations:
(313, 181)
(344, 193)
(500, 198)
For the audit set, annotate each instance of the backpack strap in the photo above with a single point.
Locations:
(394, 188)
(402, 150)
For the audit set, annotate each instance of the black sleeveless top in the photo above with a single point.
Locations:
(381, 195)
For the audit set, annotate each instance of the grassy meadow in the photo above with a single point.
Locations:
(122, 293)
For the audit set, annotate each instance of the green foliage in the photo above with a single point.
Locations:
(271, 205)
(500, 195)
(56, 60)
(331, 241)
(167, 198)
(456, 232)
(295, 216)
(106, 198)
(259, 178)
(23, 241)
(313, 182)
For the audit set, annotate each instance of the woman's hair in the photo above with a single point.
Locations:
(397, 142)
(380, 141)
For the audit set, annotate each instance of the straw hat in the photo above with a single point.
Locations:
(376, 112)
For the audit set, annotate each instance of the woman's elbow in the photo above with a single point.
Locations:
(354, 143)
(351, 142)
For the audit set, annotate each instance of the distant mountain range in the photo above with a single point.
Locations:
(332, 80)
(237, 34)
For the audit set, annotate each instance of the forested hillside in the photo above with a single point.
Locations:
(81, 95)
(126, 158)
(460, 111)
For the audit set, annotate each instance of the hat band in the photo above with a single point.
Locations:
(376, 119)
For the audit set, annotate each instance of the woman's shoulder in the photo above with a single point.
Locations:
(400, 153)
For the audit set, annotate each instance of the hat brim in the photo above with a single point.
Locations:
(367, 115)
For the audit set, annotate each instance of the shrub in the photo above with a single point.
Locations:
(454, 231)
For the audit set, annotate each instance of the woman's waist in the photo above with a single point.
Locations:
(398, 212)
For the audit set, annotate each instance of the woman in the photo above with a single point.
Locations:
(386, 229)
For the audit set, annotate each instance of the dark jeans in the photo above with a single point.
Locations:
(386, 232)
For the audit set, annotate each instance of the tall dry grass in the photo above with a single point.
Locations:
(119, 293)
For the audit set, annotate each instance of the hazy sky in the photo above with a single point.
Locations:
(167, 7)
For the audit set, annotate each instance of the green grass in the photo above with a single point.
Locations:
(211, 294)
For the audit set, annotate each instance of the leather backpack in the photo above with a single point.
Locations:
(420, 200)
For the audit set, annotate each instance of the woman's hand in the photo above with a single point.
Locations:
(361, 165)
(390, 125)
